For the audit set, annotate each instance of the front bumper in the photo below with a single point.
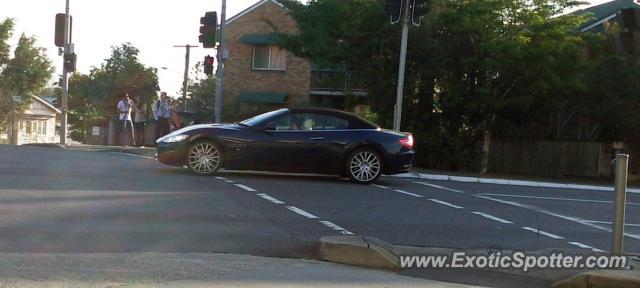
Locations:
(172, 153)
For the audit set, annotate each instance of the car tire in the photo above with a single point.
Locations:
(204, 157)
(364, 166)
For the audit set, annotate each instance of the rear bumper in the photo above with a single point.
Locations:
(400, 162)
(171, 153)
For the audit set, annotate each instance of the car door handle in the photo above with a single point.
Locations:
(316, 138)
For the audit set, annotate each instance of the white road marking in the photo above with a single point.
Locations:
(221, 178)
(267, 197)
(302, 212)
(611, 223)
(446, 203)
(134, 155)
(547, 212)
(538, 231)
(228, 181)
(584, 246)
(440, 187)
(408, 193)
(494, 218)
(379, 186)
(554, 198)
(247, 188)
(336, 227)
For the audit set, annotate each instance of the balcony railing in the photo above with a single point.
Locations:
(334, 82)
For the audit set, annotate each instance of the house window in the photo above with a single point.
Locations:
(44, 128)
(268, 57)
(28, 127)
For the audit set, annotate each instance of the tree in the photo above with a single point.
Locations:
(201, 92)
(93, 97)
(24, 74)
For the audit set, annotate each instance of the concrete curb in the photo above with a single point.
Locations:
(48, 145)
(148, 152)
(601, 279)
(359, 251)
(498, 181)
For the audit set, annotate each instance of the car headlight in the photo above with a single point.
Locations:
(174, 139)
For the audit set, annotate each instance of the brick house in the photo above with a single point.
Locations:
(261, 76)
(258, 72)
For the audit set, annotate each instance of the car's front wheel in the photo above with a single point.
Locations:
(204, 157)
(364, 166)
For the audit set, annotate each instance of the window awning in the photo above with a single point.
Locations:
(255, 38)
(263, 97)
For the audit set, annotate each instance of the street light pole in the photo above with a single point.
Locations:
(65, 79)
(397, 114)
(220, 71)
(186, 73)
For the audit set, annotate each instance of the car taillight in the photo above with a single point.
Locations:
(407, 142)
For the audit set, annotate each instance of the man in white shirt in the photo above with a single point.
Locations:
(124, 115)
(162, 114)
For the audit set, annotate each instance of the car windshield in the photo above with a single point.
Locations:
(261, 118)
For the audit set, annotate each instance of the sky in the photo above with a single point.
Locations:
(152, 26)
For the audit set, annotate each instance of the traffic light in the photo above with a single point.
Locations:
(208, 65)
(70, 62)
(394, 10)
(418, 9)
(208, 29)
(59, 29)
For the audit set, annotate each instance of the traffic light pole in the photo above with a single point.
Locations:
(397, 115)
(220, 71)
(65, 80)
(186, 74)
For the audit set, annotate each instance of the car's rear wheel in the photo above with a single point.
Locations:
(364, 166)
(204, 157)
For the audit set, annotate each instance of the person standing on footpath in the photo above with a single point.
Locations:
(139, 122)
(126, 125)
(162, 114)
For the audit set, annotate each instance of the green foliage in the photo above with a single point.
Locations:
(201, 92)
(24, 73)
(94, 97)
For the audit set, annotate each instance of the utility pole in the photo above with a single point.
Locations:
(220, 72)
(186, 73)
(12, 139)
(65, 79)
(397, 114)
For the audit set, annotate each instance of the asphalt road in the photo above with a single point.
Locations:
(63, 200)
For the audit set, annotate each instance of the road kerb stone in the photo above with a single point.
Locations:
(359, 251)
(601, 279)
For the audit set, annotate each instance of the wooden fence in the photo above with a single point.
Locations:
(554, 159)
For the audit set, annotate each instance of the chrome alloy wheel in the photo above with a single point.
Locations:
(365, 166)
(204, 158)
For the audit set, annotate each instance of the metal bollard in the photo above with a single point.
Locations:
(622, 166)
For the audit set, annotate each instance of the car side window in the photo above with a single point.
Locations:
(283, 123)
(297, 122)
(335, 123)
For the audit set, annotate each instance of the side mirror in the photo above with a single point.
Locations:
(270, 127)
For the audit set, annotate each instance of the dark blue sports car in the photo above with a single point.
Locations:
(308, 140)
